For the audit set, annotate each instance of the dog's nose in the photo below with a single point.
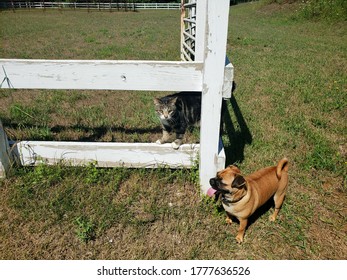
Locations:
(213, 182)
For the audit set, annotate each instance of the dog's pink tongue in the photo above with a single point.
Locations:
(211, 192)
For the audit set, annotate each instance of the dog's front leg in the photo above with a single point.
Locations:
(228, 219)
(242, 229)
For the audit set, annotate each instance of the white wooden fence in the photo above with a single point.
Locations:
(188, 30)
(207, 73)
(107, 5)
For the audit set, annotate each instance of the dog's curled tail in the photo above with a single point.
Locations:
(282, 166)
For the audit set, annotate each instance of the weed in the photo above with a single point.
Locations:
(93, 173)
(85, 229)
(212, 206)
(21, 115)
(194, 172)
(46, 175)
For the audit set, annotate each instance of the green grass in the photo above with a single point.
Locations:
(290, 101)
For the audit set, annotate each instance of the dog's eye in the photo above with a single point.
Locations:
(222, 183)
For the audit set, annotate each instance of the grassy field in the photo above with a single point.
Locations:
(290, 101)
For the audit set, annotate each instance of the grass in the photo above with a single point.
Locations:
(290, 101)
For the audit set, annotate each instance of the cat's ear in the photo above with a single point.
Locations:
(156, 101)
(173, 101)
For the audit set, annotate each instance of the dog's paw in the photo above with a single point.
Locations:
(272, 218)
(228, 221)
(239, 238)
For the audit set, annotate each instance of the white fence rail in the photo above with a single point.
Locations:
(114, 5)
(101, 74)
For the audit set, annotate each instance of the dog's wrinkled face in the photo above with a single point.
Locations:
(226, 179)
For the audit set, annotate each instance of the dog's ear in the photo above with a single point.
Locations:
(239, 182)
(235, 169)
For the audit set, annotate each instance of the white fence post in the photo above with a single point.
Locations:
(216, 31)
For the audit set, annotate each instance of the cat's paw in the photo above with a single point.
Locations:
(158, 142)
(176, 144)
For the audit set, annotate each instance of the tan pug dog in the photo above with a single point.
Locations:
(242, 196)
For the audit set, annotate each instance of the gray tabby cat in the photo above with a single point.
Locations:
(176, 113)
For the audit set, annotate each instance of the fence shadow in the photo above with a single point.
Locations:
(238, 137)
(86, 133)
(97, 133)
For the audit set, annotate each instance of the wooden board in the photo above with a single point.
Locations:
(101, 74)
(144, 155)
(106, 75)
(228, 79)
(216, 30)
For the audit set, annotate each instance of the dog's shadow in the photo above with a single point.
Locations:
(262, 210)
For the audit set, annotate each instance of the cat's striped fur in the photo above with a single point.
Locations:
(176, 113)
